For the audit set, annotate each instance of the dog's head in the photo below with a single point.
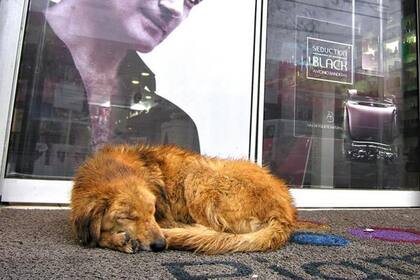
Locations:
(118, 217)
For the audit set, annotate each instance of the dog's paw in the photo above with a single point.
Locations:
(120, 241)
(127, 244)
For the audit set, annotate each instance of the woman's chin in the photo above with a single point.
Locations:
(143, 49)
(146, 46)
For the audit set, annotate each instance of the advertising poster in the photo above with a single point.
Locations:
(152, 72)
(324, 73)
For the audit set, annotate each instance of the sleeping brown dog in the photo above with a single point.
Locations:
(132, 198)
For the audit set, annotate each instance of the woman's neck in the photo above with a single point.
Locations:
(96, 58)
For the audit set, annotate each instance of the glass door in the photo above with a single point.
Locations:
(341, 101)
(91, 73)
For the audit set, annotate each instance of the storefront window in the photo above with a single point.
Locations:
(341, 107)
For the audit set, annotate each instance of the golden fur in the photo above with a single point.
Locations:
(132, 198)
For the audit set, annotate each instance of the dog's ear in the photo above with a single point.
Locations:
(87, 222)
(162, 201)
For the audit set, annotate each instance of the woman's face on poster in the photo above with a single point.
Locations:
(146, 23)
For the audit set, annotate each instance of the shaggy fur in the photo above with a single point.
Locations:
(132, 198)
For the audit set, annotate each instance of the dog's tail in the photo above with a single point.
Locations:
(302, 225)
(199, 238)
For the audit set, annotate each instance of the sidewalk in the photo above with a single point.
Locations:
(37, 244)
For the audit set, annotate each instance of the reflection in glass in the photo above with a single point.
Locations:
(341, 94)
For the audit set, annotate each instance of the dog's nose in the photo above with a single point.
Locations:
(158, 245)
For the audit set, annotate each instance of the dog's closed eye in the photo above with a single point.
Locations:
(125, 218)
